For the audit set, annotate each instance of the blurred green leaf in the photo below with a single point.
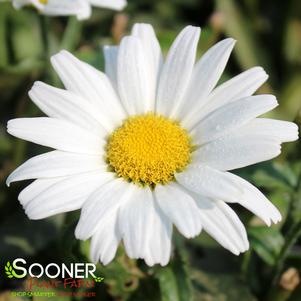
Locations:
(290, 99)
(238, 26)
(292, 43)
(266, 242)
(72, 34)
(168, 285)
(25, 35)
(5, 142)
(122, 276)
(25, 66)
(21, 237)
(174, 281)
(273, 175)
(296, 206)
(220, 287)
(166, 38)
(3, 44)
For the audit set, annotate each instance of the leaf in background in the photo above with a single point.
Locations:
(296, 197)
(5, 142)
(122, 276)
(3, 45)
(239, 27)
(72, 34)
(220, 287)
(21, 237)
(181, 271)
(292, 43)
(148, 290)
(25, 35)
(273, 175)
(168, 284)
(25, 66)
(174, 280)
(215, 272)
(266, 242)
(92, 57)
(166, 38)
(290, 99)
(296, 207)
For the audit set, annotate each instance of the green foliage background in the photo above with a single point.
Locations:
(268, 34)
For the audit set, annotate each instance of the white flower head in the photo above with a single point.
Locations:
(80, 8)
(149, 145)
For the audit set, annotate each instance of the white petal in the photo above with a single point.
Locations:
(145, 230)
(55, 164)
(135, 84)
(222, 223)
(153, 54)
(92, 85)
(55, 133)
(205, 76)
(180, 208)
(113, 4)
(20, 3)
(111, 55)
(80, 8)
(65, 105)
(257, 141)
(255, 201)
(105, 241)
(135, 221)
(228, 187)
(104, 201)
(35, 188)
(282, 131)
(236, 150)
(150, 43)
(17, 4)
(209, 182)
(66, 195)
(177, 70)
(240, 86)
(232, 116)
(159, 242)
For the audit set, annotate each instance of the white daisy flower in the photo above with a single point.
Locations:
(149, 144)
(80, 8)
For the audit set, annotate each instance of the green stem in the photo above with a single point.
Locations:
(72, 34)
(291, 238)
(276, 293)
(292, 234)
(292, 204)
(48, 48)
(44, 25)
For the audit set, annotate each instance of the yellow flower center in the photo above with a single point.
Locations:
(148, 149)
(43, 1)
